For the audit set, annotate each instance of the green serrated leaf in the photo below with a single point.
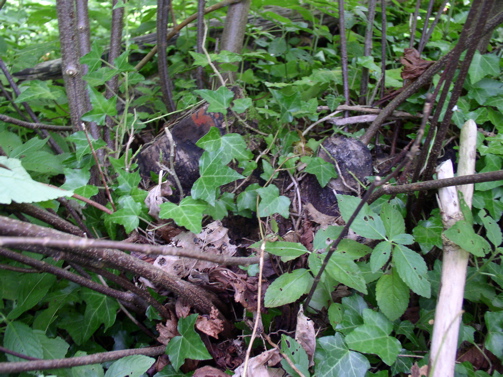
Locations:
(130, 366)
(286, 250)
(271, 202)
(380, 255)
(494, 339)
(392, 220)
(334, 359)
(17, 185)
(324, 237)
(288, 288)
(392, 295)
(493, 231)
(323, 170)
(428, 233)
(463, 235)
(188, 345)
(373, 337)
(346, 271)
(189, 213)
(412, 270)
(367, 224)
(297, 356)
(219, 100)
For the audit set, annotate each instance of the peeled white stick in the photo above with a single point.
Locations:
(455, 260)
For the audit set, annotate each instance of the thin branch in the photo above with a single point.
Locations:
(55, 147)
(438, 183)
(83, 244)
(367, 50)
(97, 358)
(344, 52)
(162, 60)
(34, 126)
(62, 273)
(200, 35)
(176, 29)
(45, 216)
(413, 27)
(420, 82)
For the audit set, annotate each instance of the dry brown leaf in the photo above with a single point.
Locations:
(416, 371)
(167, 331)
(260, 366)
(413, 65)
(318, 217)
(211, 326)
(208, 371)
(305, 334)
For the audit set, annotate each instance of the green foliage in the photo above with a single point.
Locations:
(289, 80)
(188, 345)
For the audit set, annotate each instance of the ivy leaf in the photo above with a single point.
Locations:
(31, 290)
(82, 144)
(213, 175)
(288, 288)
(334, 359)
(482, 66)
(428, 233)
(101, 107)
(346, 271)
(100, 309)
(131, 366)
(41, 91)
(494, 339)
(367, 224)
(219, 100)
(189, 213)
(392, 295)
(248, 198)
(53, 348)
(323, 170)
(188, 345)
(229, 146)
(373, 337)
(463, 235)
(296, 354)
(271, 202)
(288, 104)
(20, 338)
(128, 215)
(241, 105)
(17, 185)
(412, 270)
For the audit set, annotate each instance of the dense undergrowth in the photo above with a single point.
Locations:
(65, 292)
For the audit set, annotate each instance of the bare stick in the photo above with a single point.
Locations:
(455, 260)
(34, 126)
(97, 358)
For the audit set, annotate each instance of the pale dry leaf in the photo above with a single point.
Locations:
(167, 331)
(260, 366)
(305, 334)
(211, 326)
(208, 371)
(182, 308)
(318, 217)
